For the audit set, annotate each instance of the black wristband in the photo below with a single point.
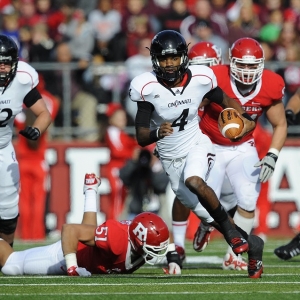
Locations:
(153, 136)
(247, 116)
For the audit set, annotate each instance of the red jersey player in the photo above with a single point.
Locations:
(257, 90)
(85, 249)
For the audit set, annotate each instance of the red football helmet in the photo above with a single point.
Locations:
(205, 53)
(246, 60)
(149, 236)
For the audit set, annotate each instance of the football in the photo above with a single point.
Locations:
(229, 122)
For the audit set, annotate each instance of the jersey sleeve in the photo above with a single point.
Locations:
(275, 85)
(141, 86)
(27, 75)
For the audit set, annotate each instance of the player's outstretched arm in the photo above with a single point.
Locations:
(70, 236)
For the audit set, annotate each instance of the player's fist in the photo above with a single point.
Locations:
(173, 269)
(77, 271)
(31, 133)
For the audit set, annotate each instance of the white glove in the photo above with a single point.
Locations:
(267, 166)
(77, 271)
(174, 269)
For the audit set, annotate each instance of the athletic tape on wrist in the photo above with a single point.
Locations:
(274, 151)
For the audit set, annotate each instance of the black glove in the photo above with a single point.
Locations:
(31, 133)
(173, 257)
(290, 117)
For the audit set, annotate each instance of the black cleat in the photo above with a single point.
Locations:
(289, 250)
(238, 244)
(255, 265)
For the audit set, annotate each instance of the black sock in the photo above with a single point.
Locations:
(220, 216)
(242, 232)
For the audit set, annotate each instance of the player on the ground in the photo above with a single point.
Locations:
(168, 99)
(257, 90)
(18, 83)
(85, 249)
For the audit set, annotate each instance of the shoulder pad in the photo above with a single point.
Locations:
(27, 75)
(203, 74)
(141, 85)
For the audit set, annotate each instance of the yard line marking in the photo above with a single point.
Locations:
(148, 293)
(147, 284)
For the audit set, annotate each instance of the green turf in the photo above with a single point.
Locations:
(280, 280)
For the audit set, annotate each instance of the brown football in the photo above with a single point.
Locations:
(230, 124)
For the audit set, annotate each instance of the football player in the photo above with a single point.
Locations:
(168, 99)
(85, 249)
(258, 91)
(18, 83)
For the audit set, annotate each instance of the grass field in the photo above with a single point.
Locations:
(202, 278)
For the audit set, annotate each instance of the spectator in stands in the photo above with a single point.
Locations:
(247, 23)
(106, 23)
(79, 35)
(28, 14)
(202, 11)
(174, 16)
(203, 31)
(33, 172)
(83, 104)
(42, 45)
(136, 65)
(288, 36)
(122, 147)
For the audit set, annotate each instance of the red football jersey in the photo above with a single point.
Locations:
(268, 90)
(112, 252)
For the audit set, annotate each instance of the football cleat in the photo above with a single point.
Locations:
(239, 245)
(202, 237)
(181, 252)
(255, 253)
(91, 182)
(289, 250)
(233, 262)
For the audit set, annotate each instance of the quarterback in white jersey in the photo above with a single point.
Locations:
(168, 100)
(18, 83)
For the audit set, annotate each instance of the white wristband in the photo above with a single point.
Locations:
(274, 151)
(71, 260)
(157, 134)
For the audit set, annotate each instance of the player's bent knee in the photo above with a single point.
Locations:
(11, 270)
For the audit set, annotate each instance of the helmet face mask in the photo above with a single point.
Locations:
(149, 237)
(205, 53)
(8, 56)
(169, 43)
(246, 61)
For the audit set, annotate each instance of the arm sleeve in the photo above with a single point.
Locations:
(143, 114)
(32, 97)
(215, 95)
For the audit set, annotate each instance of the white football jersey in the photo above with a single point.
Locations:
(11, 101)
(180, 108)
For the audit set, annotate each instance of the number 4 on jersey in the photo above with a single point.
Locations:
(181, 120)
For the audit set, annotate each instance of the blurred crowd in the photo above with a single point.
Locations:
(99, 31)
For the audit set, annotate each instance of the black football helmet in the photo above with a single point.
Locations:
(8, 54)
(169, 42)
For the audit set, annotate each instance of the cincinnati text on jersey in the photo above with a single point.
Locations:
(179, 102)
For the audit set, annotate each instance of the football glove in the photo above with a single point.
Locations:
(31, 133)
(174, 263)
(290, 117)
(77, 271)
(267, 165)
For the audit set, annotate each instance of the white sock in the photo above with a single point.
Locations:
(179, 231)
(90, 201)
(245, 223)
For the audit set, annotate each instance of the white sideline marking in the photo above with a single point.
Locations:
(149, 284)
(148, 293)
